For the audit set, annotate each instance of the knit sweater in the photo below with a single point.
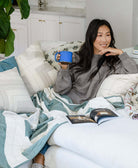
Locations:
(78, 86)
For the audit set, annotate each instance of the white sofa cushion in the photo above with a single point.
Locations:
(117, 84)
(35, 71)
(13, 93)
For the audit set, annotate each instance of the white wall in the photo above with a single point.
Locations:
(135, 22)
(33, 2)
(119, 13)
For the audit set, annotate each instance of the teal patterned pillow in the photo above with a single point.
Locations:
(69, 46)
(8, 63)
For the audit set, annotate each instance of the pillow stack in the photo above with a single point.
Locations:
(37, 70)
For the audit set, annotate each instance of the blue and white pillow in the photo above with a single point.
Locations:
(8, 63)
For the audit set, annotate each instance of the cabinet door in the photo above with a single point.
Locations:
(52, 28)
(20, 29)
(72, 28)
(43, 27)
(36, 28)
(20, 43)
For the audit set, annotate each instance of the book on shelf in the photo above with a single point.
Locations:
(98, 116)
(135, 50)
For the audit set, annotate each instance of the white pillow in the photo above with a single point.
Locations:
(13, 93)
(35, 71)
(68, 46)
(117, 84)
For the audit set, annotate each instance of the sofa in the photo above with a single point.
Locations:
(33, 114)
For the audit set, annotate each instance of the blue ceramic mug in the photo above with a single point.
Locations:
(65, 56)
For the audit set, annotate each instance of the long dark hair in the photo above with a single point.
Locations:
(86, 52)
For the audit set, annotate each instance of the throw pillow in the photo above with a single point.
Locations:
(36, 73)
(46, 45)
(13, 93)
(68, 46)
(131, 101)
(117, 84)
(8, 63)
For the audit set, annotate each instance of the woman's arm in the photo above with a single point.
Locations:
(127, 65)
(111, 51)
(63, 82)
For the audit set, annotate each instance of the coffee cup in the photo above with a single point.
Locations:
(65, 57)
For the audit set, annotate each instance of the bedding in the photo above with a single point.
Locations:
(111, 144)
(55, 154)
(34, 130)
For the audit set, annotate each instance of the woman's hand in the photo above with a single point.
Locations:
(110, 51)
(62, 65)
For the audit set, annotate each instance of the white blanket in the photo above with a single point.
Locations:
(57, 157)
(113, 144)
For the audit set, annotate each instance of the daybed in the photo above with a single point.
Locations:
(33, 114)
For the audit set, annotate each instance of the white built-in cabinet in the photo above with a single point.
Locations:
(51, 27)
(42, 27)
(45, 27)
(71, 28)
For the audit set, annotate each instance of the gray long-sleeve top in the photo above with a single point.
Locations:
(79, 88)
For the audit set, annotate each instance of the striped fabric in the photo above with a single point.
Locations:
(23, 136)
(13, 93)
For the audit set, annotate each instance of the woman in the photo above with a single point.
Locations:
(97, 58)
(38, 161)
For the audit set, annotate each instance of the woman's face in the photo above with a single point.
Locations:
(102, 40)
